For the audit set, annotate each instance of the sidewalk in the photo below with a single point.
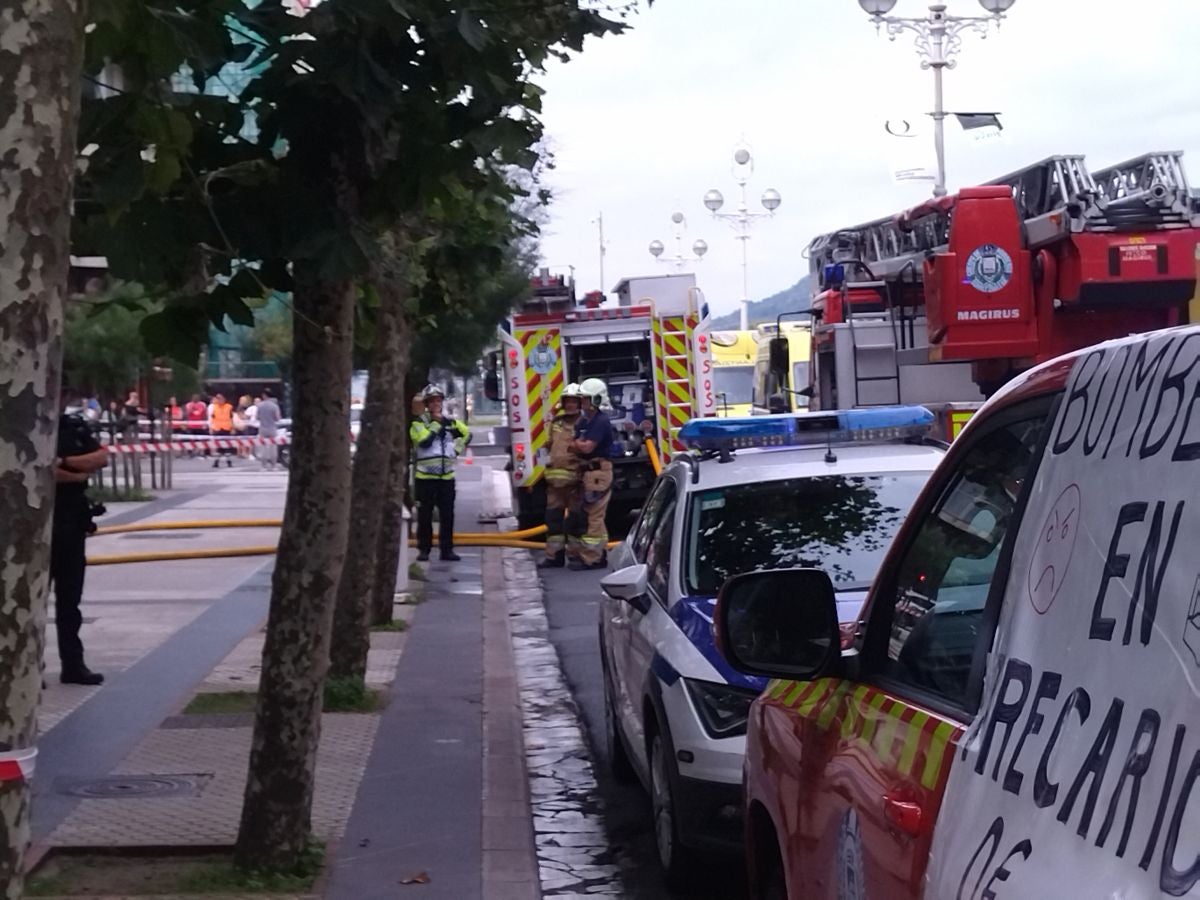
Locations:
(471, 783)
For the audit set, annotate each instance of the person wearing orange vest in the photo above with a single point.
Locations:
(220, 424)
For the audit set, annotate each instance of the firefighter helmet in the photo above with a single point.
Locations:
(572, 390)
(431, 391)
(596, 391)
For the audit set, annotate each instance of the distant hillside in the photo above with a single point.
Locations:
(792, 299)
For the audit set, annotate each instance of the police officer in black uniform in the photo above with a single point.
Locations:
(79, 454)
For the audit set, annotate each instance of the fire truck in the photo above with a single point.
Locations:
(652, 350)
(944, 303)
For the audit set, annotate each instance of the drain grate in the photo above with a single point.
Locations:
(133, 787)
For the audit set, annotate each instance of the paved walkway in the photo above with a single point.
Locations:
(119, 766)
(473, 783)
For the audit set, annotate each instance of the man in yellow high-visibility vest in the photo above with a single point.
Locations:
(437, 443)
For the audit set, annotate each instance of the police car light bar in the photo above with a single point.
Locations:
(849, 426)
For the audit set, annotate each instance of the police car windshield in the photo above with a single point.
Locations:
(842, 524)
(736, 383)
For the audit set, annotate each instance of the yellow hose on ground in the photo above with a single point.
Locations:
(214, 553)
(497, 539)
(275, 523)
(652, 452)
(187, 526)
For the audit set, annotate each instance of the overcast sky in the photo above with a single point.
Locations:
(645, 123)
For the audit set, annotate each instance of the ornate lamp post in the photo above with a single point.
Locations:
(680, 259)
(743, 217)
(938, 40)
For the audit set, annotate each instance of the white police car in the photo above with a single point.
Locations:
(823, 490)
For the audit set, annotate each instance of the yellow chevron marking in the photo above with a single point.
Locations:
(937, 754)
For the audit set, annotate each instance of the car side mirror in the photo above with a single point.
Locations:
(780, 623)
(628, 584)
(633, 515)
(780, 359)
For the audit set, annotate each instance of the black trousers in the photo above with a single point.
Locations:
(435, 493)
(68, 563)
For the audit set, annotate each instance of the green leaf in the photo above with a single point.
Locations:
(472, 30)
(123, 182)
(239, 312)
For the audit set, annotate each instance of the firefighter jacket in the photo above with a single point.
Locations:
(437, 444)
(564, 461)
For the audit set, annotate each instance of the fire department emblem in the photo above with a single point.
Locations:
(542, 357)
(989, 268)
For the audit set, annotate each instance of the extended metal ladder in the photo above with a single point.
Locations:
(1148, 191)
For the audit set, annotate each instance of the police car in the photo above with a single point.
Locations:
(1019, 716)
(762, 492)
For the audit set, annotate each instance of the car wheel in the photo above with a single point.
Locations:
(618, 759)
(677, 861)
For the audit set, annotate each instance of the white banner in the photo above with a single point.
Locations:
(1078, 777)
(909, 151)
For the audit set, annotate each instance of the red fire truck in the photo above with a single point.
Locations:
(653, 352)
(942, 304)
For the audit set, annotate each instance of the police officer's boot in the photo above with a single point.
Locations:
(557, 561)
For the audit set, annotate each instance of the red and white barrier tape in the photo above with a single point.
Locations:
(17, 765)
(195, 443)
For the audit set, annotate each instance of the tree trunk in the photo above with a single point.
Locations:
(41, 50)
(382, 416)
(276, 815)
(391, 529)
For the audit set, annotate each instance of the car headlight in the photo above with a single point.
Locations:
(723, 708)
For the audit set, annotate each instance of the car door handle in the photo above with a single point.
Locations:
(903, 813)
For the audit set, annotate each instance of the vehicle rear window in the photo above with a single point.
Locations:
(842, 524)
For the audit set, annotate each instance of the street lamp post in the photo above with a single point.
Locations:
(680, 259)
(742, 218)
(938, 40)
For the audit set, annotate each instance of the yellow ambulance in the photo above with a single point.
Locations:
(733, 356)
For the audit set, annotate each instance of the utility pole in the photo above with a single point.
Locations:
(603, 249)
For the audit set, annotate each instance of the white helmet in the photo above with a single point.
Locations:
(431, 391)
(570, 392)
(595, 390)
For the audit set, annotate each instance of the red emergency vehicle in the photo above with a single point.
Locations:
(1012, 720)
(942, 304)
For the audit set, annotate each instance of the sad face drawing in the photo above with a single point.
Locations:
(1056, 544)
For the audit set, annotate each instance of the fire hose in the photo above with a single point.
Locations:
(514, 539)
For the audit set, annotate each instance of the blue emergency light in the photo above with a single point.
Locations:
(814, 429)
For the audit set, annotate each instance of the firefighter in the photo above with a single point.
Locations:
(593, 443)
(437, 442)
(562, 482)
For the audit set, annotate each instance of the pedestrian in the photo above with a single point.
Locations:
(593, 443)
(241, 424)
(78, 455)
(220, 425)
(133, 404)
(438, 441)
(563, 499)
(267, 414)
(195, 414)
